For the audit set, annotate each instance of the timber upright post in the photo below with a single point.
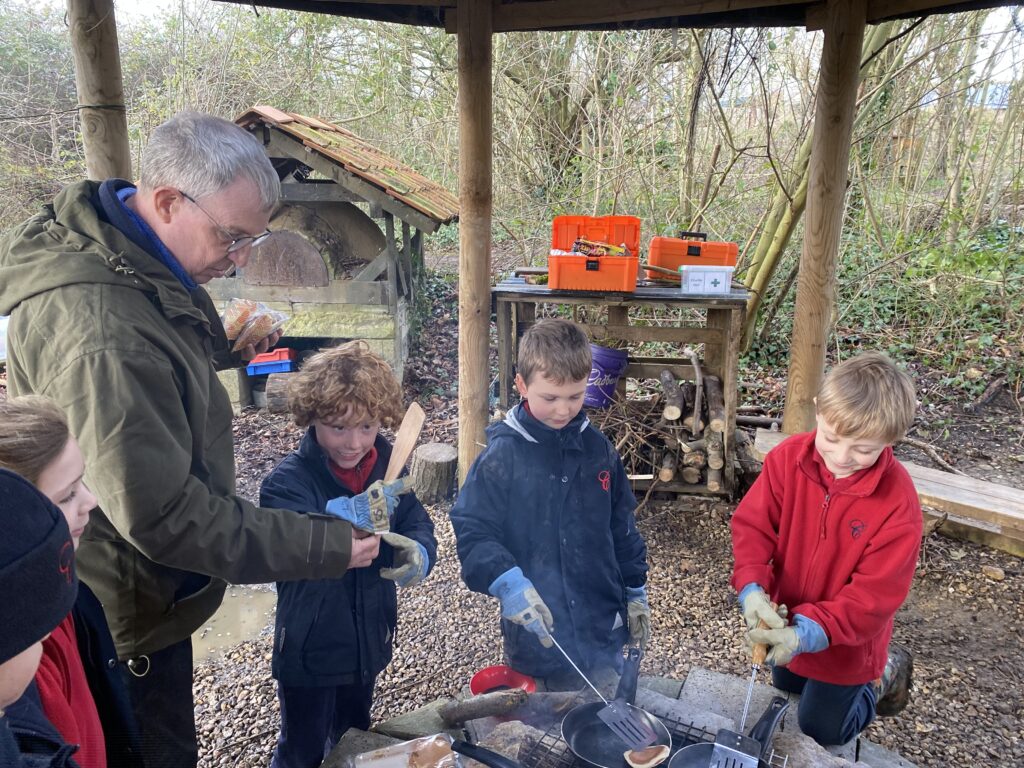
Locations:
(475, 24)
(830, 159)
(100, 89)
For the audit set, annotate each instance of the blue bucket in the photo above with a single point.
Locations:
(606, 368)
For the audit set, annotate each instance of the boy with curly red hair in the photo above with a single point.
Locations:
(334, 636)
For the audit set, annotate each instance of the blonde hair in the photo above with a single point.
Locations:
(33, 433)
(867, 396)
(557, 348)
(348, 383)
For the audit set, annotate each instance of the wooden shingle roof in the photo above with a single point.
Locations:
(363, 161)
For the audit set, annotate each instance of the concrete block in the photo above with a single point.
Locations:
(681, 712)
(666, 686)
(236, 382)
(354, 742)
(724, 694)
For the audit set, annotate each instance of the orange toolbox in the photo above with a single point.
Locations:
(580, 272)
(689, 249)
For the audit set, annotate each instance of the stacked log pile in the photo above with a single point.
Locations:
(676, 435)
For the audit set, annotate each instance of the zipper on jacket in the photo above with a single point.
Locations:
(824, 514)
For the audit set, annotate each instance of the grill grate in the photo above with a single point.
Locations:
(551, 751)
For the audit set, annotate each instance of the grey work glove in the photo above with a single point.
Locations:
(411, 560)
(757, 607)
(638, 611)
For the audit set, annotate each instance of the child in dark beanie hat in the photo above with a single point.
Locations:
(38, 585)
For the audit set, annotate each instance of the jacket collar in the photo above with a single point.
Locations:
(863, 483)
(314, 456)
(69, 242)
(523, 423)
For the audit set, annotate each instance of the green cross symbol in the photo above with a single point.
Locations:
(716, 282)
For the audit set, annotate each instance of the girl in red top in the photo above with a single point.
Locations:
(35, 442)
(832, 529)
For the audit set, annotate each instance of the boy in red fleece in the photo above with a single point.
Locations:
(832, 529)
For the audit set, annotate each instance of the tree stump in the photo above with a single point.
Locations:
(277, 392)
(433, 471)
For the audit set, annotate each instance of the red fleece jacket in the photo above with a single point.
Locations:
(67, 701)
(840, 552)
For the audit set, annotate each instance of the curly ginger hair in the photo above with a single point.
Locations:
(348, 384)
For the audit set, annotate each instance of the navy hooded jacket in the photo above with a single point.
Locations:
(334, 632)
(30, 740)
(557, 504)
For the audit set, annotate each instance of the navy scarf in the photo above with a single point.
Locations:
(113, 193)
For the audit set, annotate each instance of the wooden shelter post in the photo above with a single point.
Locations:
(829, 169)
(100, 89)
(475, 24)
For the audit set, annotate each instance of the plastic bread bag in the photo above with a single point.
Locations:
(249, 322)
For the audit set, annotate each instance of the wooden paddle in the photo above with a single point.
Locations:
(405, 440)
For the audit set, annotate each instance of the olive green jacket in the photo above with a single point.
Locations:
(107, 331)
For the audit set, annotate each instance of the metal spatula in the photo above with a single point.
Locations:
(617, 714)
(620, 716)
(734, 750)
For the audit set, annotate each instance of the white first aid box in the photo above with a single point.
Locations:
(705, 280)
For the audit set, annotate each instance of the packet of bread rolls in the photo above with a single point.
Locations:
(249, 322)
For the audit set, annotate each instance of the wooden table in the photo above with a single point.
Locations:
(514, 303)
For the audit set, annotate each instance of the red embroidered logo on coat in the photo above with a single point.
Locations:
(605, 478)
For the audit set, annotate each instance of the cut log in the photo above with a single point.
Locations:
(714, 448)
(690, 475)
(716, 403)
(694, 459)
(695, 429)
(668, 467)
(698, 382)
(485, 705)
(277, 392)
(673, 397)
(693, 445)
(433, 470)
(766, 422)
(714, 480)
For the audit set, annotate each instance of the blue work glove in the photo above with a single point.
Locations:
(806, 636)
(757, 607)
(411, 560)
(521, 604)
(639, 612)
(372, 509)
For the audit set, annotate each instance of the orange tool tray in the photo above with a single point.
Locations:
(689, 249)
(578, 272)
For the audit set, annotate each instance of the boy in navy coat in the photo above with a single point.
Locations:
(545, 521)
(334, 636)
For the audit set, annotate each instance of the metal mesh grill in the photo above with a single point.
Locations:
(551, 751)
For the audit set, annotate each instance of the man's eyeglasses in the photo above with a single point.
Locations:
(234, 243)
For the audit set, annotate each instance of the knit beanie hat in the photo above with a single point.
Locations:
(38, 583)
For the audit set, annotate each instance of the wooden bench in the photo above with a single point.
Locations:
(978, 511)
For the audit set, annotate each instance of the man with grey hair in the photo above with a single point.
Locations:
(108, 318)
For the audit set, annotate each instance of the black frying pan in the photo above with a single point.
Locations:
(591, 740)
(699, 755)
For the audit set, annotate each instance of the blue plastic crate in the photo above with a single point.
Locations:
(262, 369)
